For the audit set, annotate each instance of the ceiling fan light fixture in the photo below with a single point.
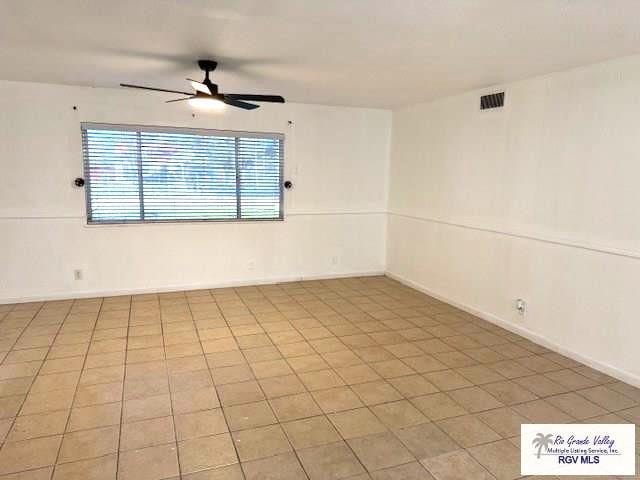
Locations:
(206, 103)
(200, 87)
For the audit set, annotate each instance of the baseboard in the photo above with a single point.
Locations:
(174, 288)
(615, 372)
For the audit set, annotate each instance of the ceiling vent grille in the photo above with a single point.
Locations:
(495, 100)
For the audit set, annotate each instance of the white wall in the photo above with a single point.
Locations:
(336, 157)
(540, 200)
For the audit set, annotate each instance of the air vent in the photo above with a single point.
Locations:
(495, 100)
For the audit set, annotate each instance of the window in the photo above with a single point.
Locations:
(139, 174)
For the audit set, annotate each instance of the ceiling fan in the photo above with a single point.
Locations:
(206, 92)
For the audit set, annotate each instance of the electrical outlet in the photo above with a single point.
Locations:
(252, 265)
(77, 274)
(334, 260)
(521, 306)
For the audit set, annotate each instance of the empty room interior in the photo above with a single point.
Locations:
(321, 240)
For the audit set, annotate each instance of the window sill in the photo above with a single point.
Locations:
(181, 222)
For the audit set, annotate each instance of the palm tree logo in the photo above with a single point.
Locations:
(542, 441)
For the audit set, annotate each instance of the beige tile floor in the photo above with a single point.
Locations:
(358, 378)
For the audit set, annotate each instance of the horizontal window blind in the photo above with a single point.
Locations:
(153, 174)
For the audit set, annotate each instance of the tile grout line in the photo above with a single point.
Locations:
(344, 441)
(24, 329)
(257, 381)
(308, 392)
(267, 400)
(171, 392)
(75, 393)
(368, 407)
(197, 331)
(259, 386)
(124, 377)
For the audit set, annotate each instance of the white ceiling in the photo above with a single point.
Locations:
(379, 53)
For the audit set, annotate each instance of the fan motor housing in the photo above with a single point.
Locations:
(207, 65)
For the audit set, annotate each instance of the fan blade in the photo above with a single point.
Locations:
(154, 89)
(239, 104)
(199, 86)
(180, 99)
(255, 98)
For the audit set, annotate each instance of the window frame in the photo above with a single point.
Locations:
(188, 131)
